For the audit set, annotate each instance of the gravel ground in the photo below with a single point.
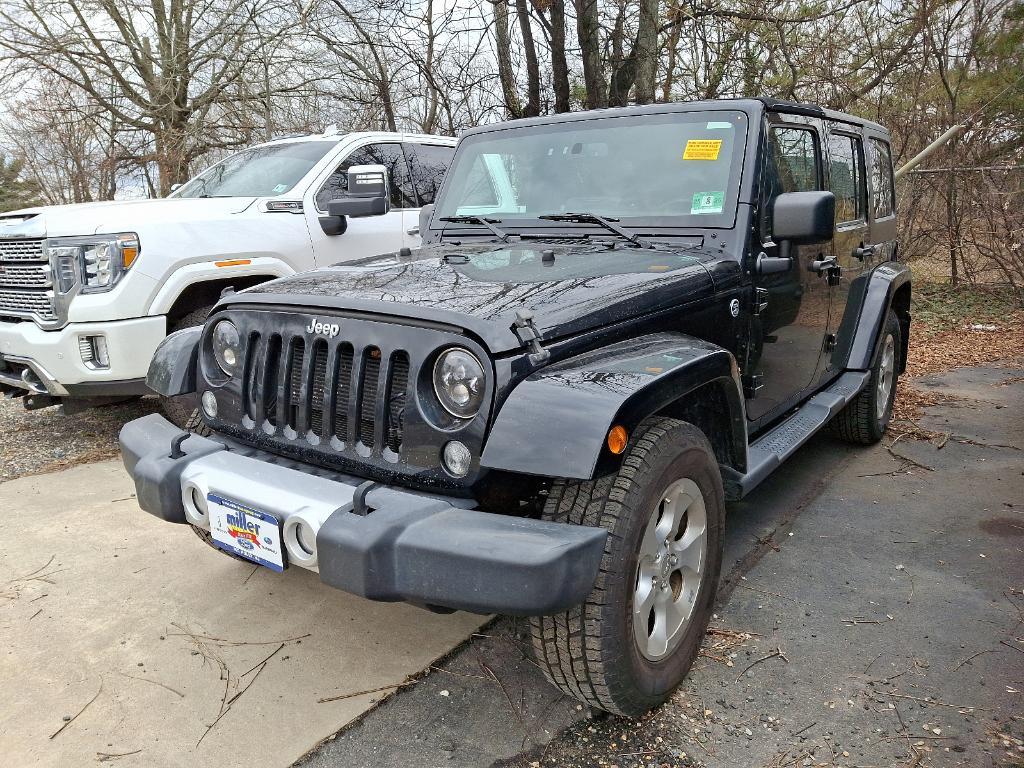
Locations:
(46, 440)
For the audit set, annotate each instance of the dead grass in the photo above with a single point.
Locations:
(955, 327)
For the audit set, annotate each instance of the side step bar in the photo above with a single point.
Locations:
(780, 442)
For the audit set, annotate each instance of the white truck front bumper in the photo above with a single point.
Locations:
(80, 359)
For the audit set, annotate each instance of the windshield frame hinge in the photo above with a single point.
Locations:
(528, 335)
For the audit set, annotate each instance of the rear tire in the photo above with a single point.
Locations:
(624, 650)
(864, 420)
(182, 411)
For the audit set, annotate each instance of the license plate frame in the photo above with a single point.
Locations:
(246, 532)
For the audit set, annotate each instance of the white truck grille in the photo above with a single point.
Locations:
(25, 280)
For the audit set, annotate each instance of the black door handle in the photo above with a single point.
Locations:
(864, 252)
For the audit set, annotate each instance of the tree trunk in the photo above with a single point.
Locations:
(559, 65)
(588, 31)
(530, 54)
(645, 51)
(503, 44)
(171, 158)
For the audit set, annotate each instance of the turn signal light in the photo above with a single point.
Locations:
(617, 438)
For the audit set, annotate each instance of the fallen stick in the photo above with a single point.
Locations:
(103, 757)
(934, 702)
(363, 693)
(154, 682)
(70, 720)
(972, 656)
(776, 653)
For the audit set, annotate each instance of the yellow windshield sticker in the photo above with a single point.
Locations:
(702, 149)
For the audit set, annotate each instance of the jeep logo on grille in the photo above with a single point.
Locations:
(330, 330)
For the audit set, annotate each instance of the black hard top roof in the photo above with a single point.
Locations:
(750, 106)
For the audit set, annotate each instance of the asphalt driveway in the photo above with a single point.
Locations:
(872, 616)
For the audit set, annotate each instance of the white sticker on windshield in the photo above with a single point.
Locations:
(708, 202)
(280, 188)
(719, 126)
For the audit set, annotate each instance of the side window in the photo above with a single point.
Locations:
(390, 156)
(883, 200)
(792, 164)
(846, 176)
(428, 163)
(794, 155)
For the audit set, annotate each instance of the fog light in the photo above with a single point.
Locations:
(457, 458)
(210, 404)
(93, 350)
(306, 538)
(199, 501)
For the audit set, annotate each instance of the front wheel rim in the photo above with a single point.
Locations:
(670, 569)
(886, 375)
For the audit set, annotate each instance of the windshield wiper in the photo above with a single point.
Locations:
(607, 223)
(489, 223)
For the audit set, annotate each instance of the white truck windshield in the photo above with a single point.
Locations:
(258, 172)
(657, 169)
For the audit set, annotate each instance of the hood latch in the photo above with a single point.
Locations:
(529, 336)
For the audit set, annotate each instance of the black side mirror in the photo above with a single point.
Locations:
(333, 225)
(367, 193)
(425, 213)
(804, 218)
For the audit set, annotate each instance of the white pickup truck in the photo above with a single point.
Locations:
(88, 291)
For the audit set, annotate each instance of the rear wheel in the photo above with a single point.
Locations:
(634, 639)
(182, 410)
(865, 419)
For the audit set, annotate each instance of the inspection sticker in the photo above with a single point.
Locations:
(708, 202)
(702, 149)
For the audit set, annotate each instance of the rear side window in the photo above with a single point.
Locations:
(390, 156)
(883, 200)
(428, 164)
(846, 177)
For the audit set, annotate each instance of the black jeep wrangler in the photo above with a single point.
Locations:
(617, 321)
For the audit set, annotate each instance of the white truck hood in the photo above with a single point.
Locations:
(116, 215)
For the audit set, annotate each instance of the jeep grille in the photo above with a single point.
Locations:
(26, 285)
(330, 392)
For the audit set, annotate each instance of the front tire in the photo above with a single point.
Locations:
(864, 420)
(634, 639)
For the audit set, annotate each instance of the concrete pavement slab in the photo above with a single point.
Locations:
(145, 637)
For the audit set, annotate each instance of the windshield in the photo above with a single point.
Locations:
(678, 169)
(258, 172)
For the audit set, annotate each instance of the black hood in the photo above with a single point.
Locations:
(569, 288)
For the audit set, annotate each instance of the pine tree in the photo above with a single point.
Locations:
(15, 191)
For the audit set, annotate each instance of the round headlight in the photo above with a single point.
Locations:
(227, 347)
(459, 382)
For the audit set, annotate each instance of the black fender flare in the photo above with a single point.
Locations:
(555, 423)
(172, 371)
(886, 279)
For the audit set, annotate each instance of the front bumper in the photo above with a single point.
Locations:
(54, 358)
(421, 548)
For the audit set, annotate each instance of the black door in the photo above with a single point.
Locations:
(788, 334)
(852, 244)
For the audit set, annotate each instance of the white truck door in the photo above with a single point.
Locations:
(371, 235)
(428, 163)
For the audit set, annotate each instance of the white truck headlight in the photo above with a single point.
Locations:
(459, 382)
(95, 262)
(227, 347)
